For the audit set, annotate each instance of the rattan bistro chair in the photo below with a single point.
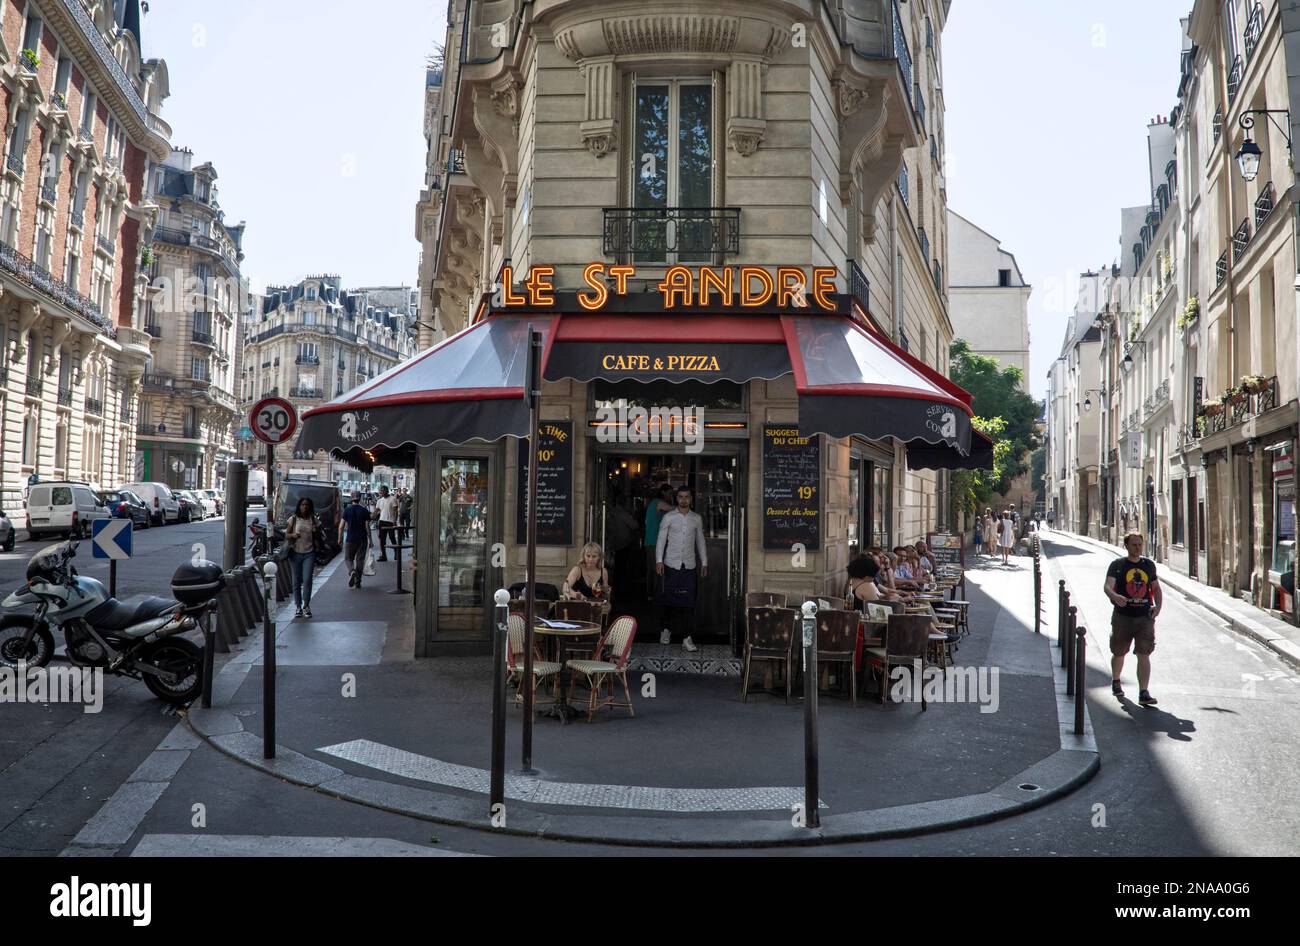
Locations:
(542, 669)
(907, 638)
(837, 638)
(764, 599)
(598, 672)
(769, 635)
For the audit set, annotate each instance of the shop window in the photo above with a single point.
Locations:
(1283, 525)
(1176, 512)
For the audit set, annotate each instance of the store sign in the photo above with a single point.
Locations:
(791, 488)
(1133, 450)
(748, 287)
(1284, 460)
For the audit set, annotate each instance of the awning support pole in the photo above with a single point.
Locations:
(533, 395)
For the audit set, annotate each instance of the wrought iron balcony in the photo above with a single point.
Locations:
(1221, 269)
(49, 193)
(1234, 79)
(938, 277)
(124, 416)
(1266, 400)
(307, 360)
(918, 103)
(78, 219)
(1217, 124)
(654, 234)
(43, 281)
(59, 100)
(95, 406)
(35, 387)
(203, 338)
(1254, 29)
(1264, 204)
(456, 161)
(902, 52)
(105, 244)
(146, 428)
(65, 397)
(859, 285)
(15, 163)
(1240, 240)
(154, 330)
(309, 394)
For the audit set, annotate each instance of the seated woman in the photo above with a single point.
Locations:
(905, 573)
(885, 577)
(588, 580)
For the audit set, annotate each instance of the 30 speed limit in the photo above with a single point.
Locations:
(273, 420)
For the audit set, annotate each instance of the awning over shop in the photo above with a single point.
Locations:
(850, 380)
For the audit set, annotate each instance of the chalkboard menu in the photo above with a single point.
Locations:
(792, 503)
(946, 549)
(554, 485)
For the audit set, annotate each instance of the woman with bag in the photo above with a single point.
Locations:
(303, 535)
(1006, 535)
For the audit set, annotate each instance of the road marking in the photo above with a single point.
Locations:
(421, 768)
(253, 845)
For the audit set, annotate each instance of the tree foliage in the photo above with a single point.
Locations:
(997, 396)
(972, 489)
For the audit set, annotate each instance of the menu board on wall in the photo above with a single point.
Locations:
(554, 485)
(946, 549)
(791, 488)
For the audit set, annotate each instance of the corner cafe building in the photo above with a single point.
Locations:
(794, 414)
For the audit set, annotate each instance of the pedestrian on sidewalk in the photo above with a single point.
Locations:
(1006, 535)
(1132, 588)
(304, 534)
(979, 536)
(405, 506)
(388, 512)
(681, 558)
(356, 539)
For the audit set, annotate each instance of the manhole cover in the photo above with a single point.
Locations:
(1028, 787)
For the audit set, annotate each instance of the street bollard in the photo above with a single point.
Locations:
(268, 667)
(1080, 665)
(497, 791)
(399, 590)
(1063, 633)
(247, 596)
(811, 791)
(1069, 650)
(238, 610)
(257, 594)
(222, 632)
(209, 653)
(1061, 595)
(283, 585)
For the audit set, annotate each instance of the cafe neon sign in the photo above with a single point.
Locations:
(749, 287)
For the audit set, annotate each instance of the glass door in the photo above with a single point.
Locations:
(463, 511)
(715, 482)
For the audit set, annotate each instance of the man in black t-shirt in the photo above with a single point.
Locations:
(1132, 588)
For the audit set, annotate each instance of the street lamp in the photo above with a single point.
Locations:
(1087, 401)
(1249, 154)
(1127, 364)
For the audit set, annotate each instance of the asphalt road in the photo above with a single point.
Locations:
(59, 764)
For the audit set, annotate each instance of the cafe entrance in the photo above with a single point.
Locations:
(625, 486)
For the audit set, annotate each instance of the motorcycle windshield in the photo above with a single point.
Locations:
(45, 562)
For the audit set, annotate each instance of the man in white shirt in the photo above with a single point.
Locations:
(388, 508)
(681, 558)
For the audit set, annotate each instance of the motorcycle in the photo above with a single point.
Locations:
(137, 640)
(259, 546)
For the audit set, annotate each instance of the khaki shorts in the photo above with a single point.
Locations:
(1127, 630)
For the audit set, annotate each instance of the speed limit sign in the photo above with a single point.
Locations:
(273, 420)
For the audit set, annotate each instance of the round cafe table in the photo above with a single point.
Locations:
(559, 635)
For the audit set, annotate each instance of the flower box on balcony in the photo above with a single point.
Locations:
(29, 59)
(1212, 408)
(1254, 384)
(1191, 312)
(1234, 396)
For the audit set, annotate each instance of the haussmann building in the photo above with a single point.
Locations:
(734, 210)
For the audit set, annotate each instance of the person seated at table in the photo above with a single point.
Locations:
(588, 580)
(927, 559)
(885, 577)
(905, 576)
(863, 572)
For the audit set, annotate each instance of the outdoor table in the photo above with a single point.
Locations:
(559, 635)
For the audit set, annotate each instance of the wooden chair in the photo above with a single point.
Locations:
(542, 669)
(907, 638)
(769, 635)
(622, 632)
(837, 637)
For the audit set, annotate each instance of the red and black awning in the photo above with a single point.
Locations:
(849, 380)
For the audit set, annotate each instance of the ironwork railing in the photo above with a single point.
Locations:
(146, 429)
(49, 193)
(95, 406)
(1240, 240)
(78, 219)
(42, 280)
(15, 163)
(902, 52)
(154, 330)
(35, 387)
(1254, 29)
(1112, 457)
(65, 397)
(307, 360)
(1221, 269)
(1264, 204)
(925, 242)
(203, 338)
(306, 393)
(652, 234)
(456, 161)
(1217, 124)
(105, 244)
(938, 277)
(1266, 400)
(1234, 79)
(859, 285)
(918, 103)
(124, 416)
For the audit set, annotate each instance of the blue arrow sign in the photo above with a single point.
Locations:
(111, 539)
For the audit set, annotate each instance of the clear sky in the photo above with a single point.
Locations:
(1047, 104)
(312, 113)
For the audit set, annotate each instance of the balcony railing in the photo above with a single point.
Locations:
(43, 281)
(1266, 400)
(203, 338)
(35, 387)
(124, 415)
(1217, 124)
(938, 277)
(925, 242)
(95, 406)
(154, 330)
(1234, 79)
(65, 397)
(15, 163)
(1112, 457)
(78, 219)
(1221, 269)
(105, 244)
(1254, 29)
(653, 234)
(901, 50)
(1264, 204)
(306, 393)
(918, 103)
(49, 193)
(456, 161)
(1240, 240)
(859, 285)
(307, 360)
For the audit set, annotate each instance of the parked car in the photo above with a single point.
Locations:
(64, 508)
(124, 504)
(8, 534)
(163, 505)
(218, 500)
(205, 502)
(191, 509)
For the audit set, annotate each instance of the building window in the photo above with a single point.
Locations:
(198, 369)
(88, 114)
(32, 34)
(62, 75)
(903, 185)
(1176, 510)
(1004, 277)
(31, 438)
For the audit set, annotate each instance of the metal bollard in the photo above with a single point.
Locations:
(399, 590)
(1069, 650)
(283, 584)
(268, 666)
(256, 593)
(238, 610)
(811, 790)
(1061, 595)
(228, 625)
(497, 790)
(1080, 665)
(209, 653)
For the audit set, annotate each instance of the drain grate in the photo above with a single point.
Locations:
(1029, 787)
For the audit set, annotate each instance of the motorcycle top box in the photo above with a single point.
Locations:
(197, 582)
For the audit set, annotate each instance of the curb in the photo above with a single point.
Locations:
(1283, 646)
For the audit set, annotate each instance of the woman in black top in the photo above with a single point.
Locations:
(588, 580)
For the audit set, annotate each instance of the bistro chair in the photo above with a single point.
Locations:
(769, 635)
(764, 599)
(599, 672)
(907, 638)
(837, 638)
(542, 669)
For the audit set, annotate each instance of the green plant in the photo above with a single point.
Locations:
(30, 59)
(1253, 383)
(146, 256)
(1191, 312)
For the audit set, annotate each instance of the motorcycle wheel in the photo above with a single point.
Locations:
(36, 654)
(176, 655)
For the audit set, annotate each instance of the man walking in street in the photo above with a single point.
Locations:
(404, 514)
(681, 558)
(1132, 588)
(356, 539)
(388, 511)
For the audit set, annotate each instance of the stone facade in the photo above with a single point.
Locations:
(989, 296)
(81, 132)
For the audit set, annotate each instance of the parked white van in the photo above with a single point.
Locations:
(63, 508)
(163, 505)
